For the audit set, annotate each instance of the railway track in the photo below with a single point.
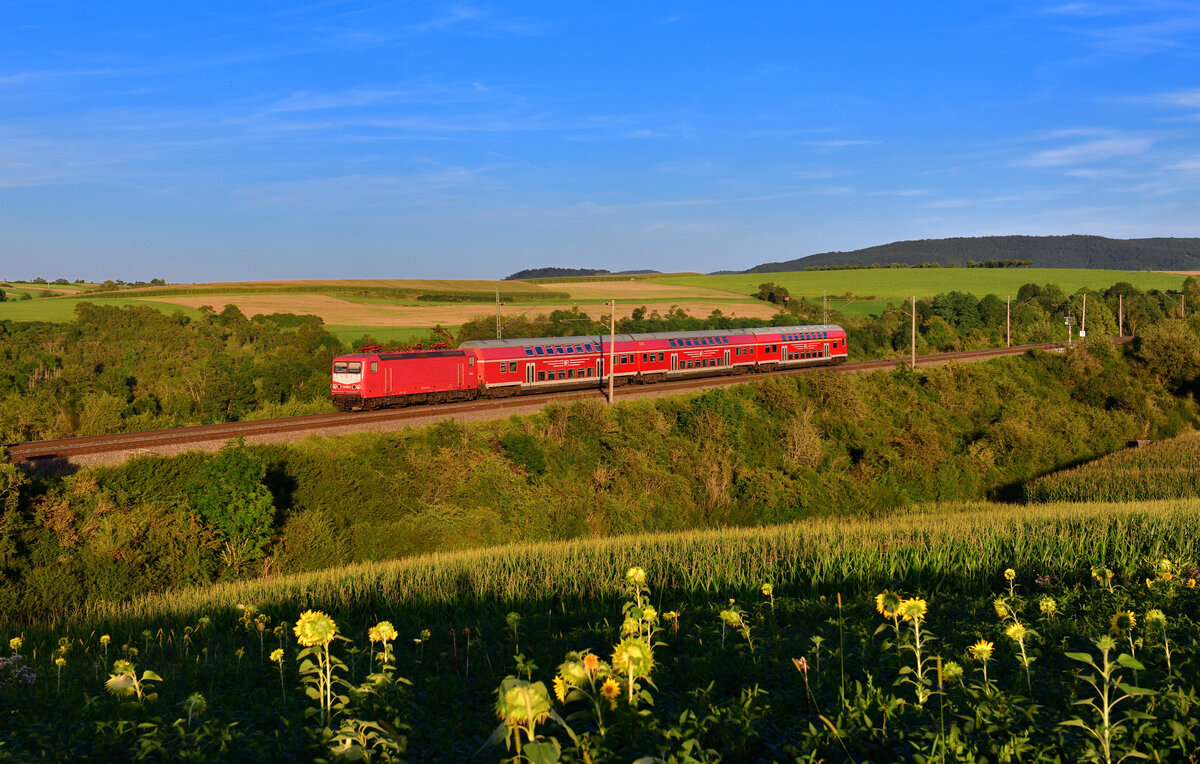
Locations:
(46, 452)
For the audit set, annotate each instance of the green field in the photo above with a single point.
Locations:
(697, 294)
(898, 283)
(772, 644)
(387, 335)
(62, 309)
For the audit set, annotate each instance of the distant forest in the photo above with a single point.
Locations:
(1095, 252)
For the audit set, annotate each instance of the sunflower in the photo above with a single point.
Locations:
(913, 609)
(1156, 617)
(768, 590)
(952, 671)
(315, 628)
(1002, 609)
(887, 603)
(277, 655)
(591, 663)
(15, 643)
(1010, 574)
(382, 632)
(1048, 606)
(636, 576)
(573, 672)
(982, 650)
(560, 689)
(1124, 620)
(1016, 632)
(611, 689)
(520, 703)
(633, 657)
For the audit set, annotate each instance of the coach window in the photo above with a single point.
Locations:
(672, 342)
(374, 367)
(539, 351)
(570, 374)
(541, 376)
(528, 351)
(562, 374)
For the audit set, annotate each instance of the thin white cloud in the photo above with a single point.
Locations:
(836, 144)
(1088, 152)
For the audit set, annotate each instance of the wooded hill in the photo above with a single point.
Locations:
(1042, 252)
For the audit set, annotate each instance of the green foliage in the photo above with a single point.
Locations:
(134, 368)
(227, 491)
(525, 452)
(1171, 349)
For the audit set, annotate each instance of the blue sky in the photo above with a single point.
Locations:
(250, 140)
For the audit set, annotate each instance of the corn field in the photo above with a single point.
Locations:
(1166, 470)
(949, 633)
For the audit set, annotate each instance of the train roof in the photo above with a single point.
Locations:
(534, 341)
(396, 356)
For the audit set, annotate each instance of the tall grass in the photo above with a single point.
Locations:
(1166, 470)
(957, 547)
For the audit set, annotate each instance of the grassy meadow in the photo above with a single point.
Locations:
(965, 632)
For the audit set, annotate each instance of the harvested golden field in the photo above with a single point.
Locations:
(641, 290)
(334, 310)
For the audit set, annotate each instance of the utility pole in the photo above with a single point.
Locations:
(1120, 315)
(498, 315)
(1083, 320)
(1008, 323)
(824, 307)
(612, 350)
(914, 331)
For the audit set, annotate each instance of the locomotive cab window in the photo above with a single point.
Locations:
(374, 367)
(470, 362)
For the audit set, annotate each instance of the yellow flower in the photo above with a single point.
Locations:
(560, 689)
(1010, 574)
(611, 688)
(649, 613)
(1016, 632)
(240, 653)
(591, 663)
(635, 576)
(888, 604)
(1002, 609)
(277, 655)
(315, 628)
(15, 643)
(982, 650)
(382, 632)
(60, 661)
(1191, 583)
(1124, 620)
(1048, 606)
(913, 609)
(768, 590)
(105, 639)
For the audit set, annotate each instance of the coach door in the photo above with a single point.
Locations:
(726, 357)
(529, 373)
(674, 362)
(825, 351)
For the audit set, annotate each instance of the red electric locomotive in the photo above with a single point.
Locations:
(500, 368)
